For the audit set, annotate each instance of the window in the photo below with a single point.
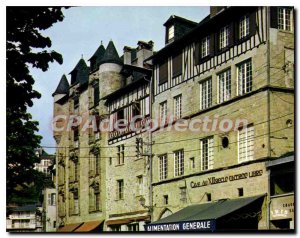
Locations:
(54, 224)
(76, 105)
(163, 167)
(240, 192)
(171, 33)
(208, 197)
(183, 194)
(285, 19)
(96, 93)
(244, 27)
(224, 80)
(76, 170)
(136, 109)
(120, 189)
(97, 161)
(163, 112)
(179, 163)
(120, 114)
(205, 94)
(246, 144)
(120, 154)
(207, 155)
(166, 199)
(97, 201)
(178, 106)
(53, 199)
(244, 77)
(192, 163)
(163, 73)
(133, 227)
(205, 47)
(177, 65)
(75, 209)
(224, 37)
(140, 185)
(76, 133)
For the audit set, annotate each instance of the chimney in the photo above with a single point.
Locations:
(214, 10)
(144, 51)
(127, 55)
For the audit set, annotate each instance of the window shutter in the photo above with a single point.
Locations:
(177, 65)
(163, 72)
(274, 17)
(252, 23)
(212, 44)
(197, 53)
(231, 34)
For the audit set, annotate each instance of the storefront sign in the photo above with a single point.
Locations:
(225, 179)
(282, 208)
(207, 225)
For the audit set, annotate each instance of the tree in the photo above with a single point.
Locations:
(25, 47)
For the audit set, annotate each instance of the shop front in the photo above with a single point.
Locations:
(242, 214)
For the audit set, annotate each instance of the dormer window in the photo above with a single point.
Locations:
(205, 47)
(171, 34)
(224, 37)
(244, 27)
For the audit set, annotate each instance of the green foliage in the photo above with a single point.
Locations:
(26, 47)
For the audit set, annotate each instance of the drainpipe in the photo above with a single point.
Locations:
(150, 151)
(269, 111)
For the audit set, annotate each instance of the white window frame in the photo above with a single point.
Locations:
(285, 19)
(209, 160)
(205, 93)
(224, 85)
(244, 77)
(178, 106)
(171, 32)
(205, 44)
(163, 167)
(224, 37)
(178, 163)
(163, 110)
(246, 144)
(244, 26)
(140, 185)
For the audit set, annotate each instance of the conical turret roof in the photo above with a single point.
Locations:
(80, 73)
(99, 53)
(111, 55)
(63, 86)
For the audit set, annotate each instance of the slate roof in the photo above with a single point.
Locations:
(80, 74)
(111, 55)
(173, 18)
(98, 55)
(63, 86)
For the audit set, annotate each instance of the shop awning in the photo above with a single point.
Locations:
(200, 217)
(89, 226)
(127, 220)
(69, 227)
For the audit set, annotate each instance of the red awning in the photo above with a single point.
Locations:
(69, 227)
(88, 226)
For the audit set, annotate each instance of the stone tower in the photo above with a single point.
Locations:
(110, 78)
(60, 96)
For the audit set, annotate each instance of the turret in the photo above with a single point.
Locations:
(110, 78)
(80, 74)
(60, 96)
(96, 58)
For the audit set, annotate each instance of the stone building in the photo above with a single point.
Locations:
(230, 80)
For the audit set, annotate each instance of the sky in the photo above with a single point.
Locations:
(80, 34)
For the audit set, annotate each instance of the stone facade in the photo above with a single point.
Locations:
(120, 177)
